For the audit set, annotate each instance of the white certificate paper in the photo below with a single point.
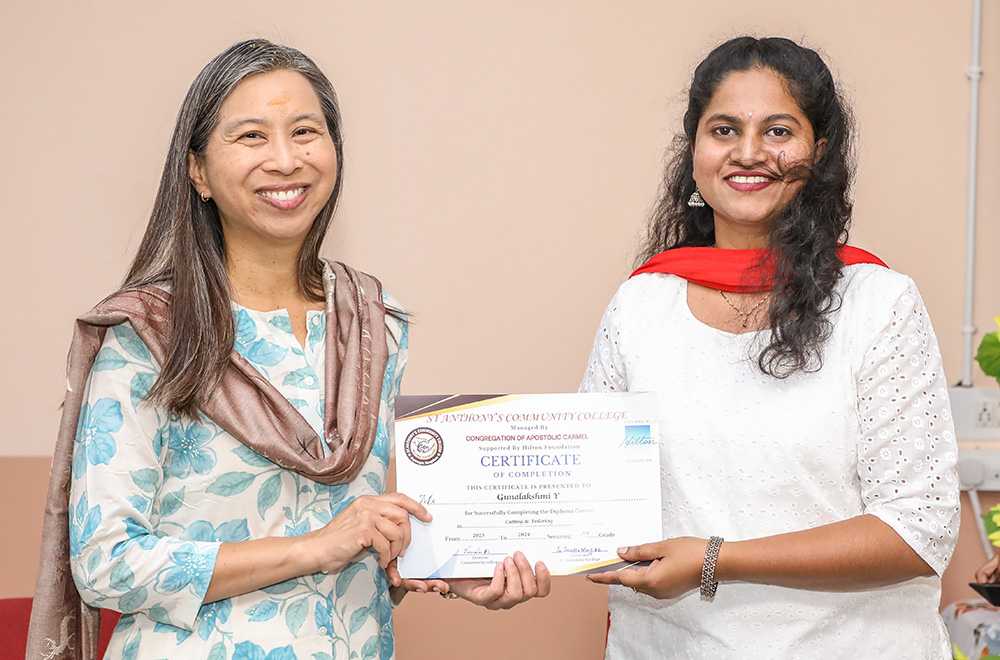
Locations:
(566, 479)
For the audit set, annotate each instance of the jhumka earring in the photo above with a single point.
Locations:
(695, 200)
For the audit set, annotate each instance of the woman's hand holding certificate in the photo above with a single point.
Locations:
(513, 582)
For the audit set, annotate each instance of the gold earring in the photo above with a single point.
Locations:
(205, 197)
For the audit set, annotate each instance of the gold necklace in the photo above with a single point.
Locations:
(743, 315)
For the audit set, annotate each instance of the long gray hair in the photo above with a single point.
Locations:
(183, 246)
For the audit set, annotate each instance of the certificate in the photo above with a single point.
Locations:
(566, 479)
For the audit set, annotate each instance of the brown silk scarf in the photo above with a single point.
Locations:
(245, 405)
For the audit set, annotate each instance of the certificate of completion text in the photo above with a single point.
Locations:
(566, 479)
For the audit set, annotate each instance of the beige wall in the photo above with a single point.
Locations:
(500, 158)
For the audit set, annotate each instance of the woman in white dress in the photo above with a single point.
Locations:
(810, 497)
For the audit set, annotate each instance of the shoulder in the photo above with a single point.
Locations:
(143, 300)
(650, 288)
(875, 297)
(643, 301)
(139, 318)
(869, 288)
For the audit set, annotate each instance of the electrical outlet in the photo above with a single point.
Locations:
(976, 411)
(988, 415)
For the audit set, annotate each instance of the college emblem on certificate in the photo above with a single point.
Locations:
(566, 479)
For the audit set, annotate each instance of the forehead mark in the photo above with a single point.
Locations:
(279, 100)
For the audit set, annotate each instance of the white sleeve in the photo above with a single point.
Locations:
(907, 453)
(606, 368)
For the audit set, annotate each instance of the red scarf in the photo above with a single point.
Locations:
(728, 270)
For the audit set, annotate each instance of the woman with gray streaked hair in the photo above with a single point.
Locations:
(219, 476)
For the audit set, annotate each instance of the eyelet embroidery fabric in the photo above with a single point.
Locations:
(744, 455)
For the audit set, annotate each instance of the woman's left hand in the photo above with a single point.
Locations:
(674, 571)
(513, 582)
(420, 586)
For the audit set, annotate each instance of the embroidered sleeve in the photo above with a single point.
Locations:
(606, 367)
(907, 453)
(123, 555)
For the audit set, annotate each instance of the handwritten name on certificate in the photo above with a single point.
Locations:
(566, 479)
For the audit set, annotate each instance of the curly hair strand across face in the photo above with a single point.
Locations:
(805, 235)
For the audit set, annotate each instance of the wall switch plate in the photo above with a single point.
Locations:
(976, 411)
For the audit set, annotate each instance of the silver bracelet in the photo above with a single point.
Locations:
(708, 583)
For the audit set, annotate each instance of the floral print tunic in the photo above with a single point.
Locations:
(154, 495)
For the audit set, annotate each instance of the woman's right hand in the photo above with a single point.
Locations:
(379, 522)
(989, 572)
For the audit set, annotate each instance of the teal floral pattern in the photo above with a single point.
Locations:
(153, 496)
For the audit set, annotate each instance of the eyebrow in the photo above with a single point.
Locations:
(780, 116)
(243, 121)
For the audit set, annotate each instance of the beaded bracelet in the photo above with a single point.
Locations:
(708, 583)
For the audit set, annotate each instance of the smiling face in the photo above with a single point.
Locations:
(270, 164)
(752, 131)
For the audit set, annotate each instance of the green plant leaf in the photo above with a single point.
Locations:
(991, 521)
(988, 355)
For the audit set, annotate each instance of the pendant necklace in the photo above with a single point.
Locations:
(745, 316)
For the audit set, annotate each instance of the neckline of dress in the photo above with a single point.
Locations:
(695, 321)
(282, 311)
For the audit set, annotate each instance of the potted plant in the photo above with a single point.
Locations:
(988, 355)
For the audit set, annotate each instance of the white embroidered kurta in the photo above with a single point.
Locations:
(745, 455)
(153, 496)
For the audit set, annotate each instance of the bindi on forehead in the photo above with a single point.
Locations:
(280, 100)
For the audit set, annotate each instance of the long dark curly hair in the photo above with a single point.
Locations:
(805, 235)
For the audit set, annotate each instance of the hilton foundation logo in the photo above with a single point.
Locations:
(423, 446)
(637, 434)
